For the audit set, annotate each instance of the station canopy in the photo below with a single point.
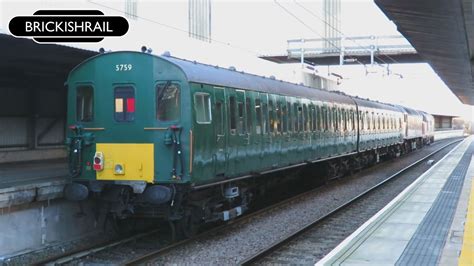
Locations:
(443, 34)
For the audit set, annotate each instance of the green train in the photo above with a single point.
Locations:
(159, 136)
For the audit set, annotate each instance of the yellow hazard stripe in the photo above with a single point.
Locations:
(467, 251)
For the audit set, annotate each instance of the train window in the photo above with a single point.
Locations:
(278, 118)
(219, 118)
(320, 118)
(326, 119)
(344, 120)
(271, 116)
(232, 107)
(265, 118)
(336, 120)
(369, 120)
(167, 101)
(258, 114)
(241, 123)
(316, 118)
(84, 103)
(305, 118)
(124, 97)
(202, 108)
(290, 119)
(373, 121)
(300, 119)
(284, 114)
(295, 117)
(248, 111)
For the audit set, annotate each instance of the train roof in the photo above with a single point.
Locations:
(373, 104)
(410, 111)
(202, 73)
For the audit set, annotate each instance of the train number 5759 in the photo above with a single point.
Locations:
(123, 67)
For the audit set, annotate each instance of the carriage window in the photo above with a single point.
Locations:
(202, 107)
(278, 119)
(241, 122)
(305, 118)
(124, 104)
(318, 118)
(233, 125)
(85, 103)
(284, 114)
(248, 107)
(265, 118)
(258, 113)
(290, 118)
(167, 102)
(325, 118)
(300, 119)
(271, 116)
(219, 119)
(295, 117)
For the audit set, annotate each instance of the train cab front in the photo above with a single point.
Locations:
(121, 115)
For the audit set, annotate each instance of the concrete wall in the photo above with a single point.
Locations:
(39, 224)
(448, 134)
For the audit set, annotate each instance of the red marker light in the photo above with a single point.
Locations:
(130, 105)
(98, 161)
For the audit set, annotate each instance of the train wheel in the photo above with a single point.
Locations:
(189, 225)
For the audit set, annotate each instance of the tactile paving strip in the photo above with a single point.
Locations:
(427, 243)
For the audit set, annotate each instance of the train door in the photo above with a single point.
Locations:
(266, 159)
(239, 139)
(220, 123)
(253, 148)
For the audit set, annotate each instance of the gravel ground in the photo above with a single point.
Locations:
(241, 240)
(315, 243)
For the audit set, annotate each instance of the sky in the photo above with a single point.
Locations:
(242, 30)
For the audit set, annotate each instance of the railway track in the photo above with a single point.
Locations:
(261, 253)
(166, 245)
(283, 247)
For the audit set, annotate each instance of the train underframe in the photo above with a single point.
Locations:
(188, 208)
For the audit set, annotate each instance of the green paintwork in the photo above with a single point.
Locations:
(218, 151)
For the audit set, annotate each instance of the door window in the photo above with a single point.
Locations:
(84, 103)
(124, 100)
(202, 108)
(168, 101)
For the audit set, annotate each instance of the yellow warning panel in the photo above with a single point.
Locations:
(127, 161)
(467, 251)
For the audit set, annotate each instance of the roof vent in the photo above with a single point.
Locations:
(232, 68)
(146, 50)
(194, 62)
(166, 53)
(272, 77)
(101, 50)
(301, 83)
(216, 66)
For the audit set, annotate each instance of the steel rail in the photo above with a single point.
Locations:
(78, 254)
(279, 243)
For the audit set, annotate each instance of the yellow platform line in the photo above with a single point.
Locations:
(467, 251)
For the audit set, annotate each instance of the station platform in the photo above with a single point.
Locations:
(26, 182)
(430, 223)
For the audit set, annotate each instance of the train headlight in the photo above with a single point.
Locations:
(99, 161)
(119, 169)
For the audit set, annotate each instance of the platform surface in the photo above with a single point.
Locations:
(417, 227)
(22, 183)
